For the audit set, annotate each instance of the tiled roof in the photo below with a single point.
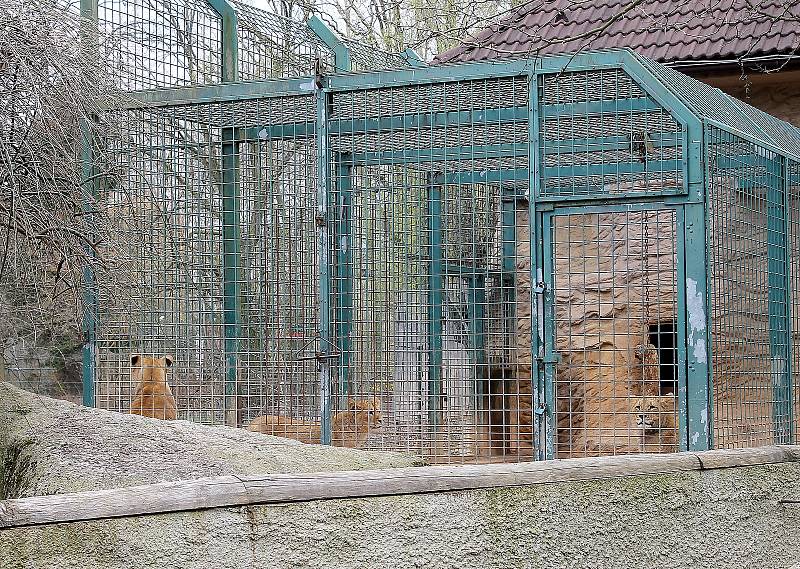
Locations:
(661, 30)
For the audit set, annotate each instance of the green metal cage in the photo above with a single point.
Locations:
(511, 260)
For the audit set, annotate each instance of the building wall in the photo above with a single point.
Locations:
(777, 94)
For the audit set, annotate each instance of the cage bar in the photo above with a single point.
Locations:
(553, 257)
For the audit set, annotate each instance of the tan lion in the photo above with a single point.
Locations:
(655, 418)
(153, 396)
(349, 428)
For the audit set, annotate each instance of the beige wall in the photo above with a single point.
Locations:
(777, 93)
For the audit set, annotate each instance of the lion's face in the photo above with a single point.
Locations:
(367, 412)
(655, 413)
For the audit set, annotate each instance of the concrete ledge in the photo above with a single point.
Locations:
(223, 491)
(682, 511)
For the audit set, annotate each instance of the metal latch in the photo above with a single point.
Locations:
(548, 358)
(539, 287)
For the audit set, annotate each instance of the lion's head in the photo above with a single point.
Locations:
(149, 370)
(655, 413)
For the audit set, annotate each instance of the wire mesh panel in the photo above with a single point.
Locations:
(280, 277)
(616, 332)
(366, 57)
(171, 297)
(749, 270)
(793, 202)
(157, 43)
(272, 46)
(421, 243)
(166, 299)
(602, 134)
(154, 44)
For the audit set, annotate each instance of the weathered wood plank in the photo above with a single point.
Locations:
(221, 491)
(728, 458)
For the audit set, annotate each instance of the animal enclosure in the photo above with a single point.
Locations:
(512, 260)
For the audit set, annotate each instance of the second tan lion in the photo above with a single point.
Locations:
(153, 396)
(655, 417)
(349, 428)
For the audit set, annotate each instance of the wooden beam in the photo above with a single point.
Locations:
(222, 491)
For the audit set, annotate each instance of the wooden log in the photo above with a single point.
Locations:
(222, 491)
(728, 458)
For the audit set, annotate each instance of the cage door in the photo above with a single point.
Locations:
(613, 364)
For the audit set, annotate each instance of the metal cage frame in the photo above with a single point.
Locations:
(697, 122)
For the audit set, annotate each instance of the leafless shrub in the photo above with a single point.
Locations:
(51, 86)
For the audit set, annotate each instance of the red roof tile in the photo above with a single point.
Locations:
(661, 30)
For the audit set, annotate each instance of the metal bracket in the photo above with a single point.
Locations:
(548, 358)
(540, 287)
(319, 355)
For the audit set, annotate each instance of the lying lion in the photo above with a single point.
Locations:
(349, 428)
(153, 395)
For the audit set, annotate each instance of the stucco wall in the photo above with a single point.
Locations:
(775, 93)
(717, 518)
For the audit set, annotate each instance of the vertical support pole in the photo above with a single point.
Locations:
(341, 53)
(777, 277)
(89, 15)
(435, 292)
(789, 376)
(89, 189)
(230, 39)
(697, 422)
(324, 250)
(231, 271)
(543, 415)
(680, 331)
(342, 62)
(544, 287)
(231, 240)
(88, 11)
(344, 272)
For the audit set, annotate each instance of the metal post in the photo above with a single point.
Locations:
(777, 271)
(789, 375)
(435, 292)
(323, 247)
(542, 384)
(344, 273)
(545, 359)
(90, 191)
(231, 236)
(696, 424)
(230, 39)
(88, 10)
